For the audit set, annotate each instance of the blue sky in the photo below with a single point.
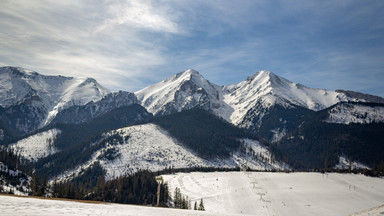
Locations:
(128, 45)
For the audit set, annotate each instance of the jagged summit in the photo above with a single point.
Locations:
(234, 103)
(184, 75)
(260, 74)
(191, 71)
(182, 91)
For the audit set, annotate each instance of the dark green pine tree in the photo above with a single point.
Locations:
(201, 206)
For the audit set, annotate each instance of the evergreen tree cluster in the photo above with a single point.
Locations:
(139, 188)
(14, 161)
(183, 202)
(180, 201)
(14, 171)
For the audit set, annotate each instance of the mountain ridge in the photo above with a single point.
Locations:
(40, 97)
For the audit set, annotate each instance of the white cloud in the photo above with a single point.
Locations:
(139, 14)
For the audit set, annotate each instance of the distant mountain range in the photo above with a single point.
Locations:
(263, 122)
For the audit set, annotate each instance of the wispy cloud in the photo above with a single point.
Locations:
(131, 44)
(104, 40)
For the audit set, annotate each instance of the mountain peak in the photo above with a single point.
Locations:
(263, 75)
(18, 71)
(191, 71)
(182, 91)
(185, 75)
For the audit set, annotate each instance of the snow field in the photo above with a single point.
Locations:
(20, 206)
(263, 193)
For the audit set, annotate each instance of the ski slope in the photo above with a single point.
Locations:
(266, 193)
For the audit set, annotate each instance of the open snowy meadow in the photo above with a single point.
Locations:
(266, 193)
(20, 206)
(236, 193)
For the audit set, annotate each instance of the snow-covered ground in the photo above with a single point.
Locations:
(237, 193)
(37, 146)
(263, 193)
(20, 206)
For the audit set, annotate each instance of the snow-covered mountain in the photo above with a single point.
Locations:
(264, 103)
(189, 89)
(265, 89)
(244, 104)
(39, 98)
(183, 91)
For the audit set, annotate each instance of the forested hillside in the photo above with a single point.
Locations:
(77, 142)
(206, 134)
(317, 143)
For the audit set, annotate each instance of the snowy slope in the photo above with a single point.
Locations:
(149, 147)
(355, 113)
(257, 157)
(144, 147)
(279, 194)
(53, 93)
(37, 146)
